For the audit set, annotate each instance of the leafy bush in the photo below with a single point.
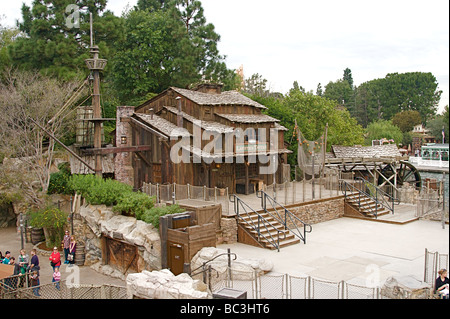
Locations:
(152, 215)
(53, 220)
(110, 192)
(98, 191)
(59, 181)
(134, 204)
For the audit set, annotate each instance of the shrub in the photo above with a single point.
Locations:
(98, 191)
(59, 181)
(152, 215)
(53, 220)
(134, 204)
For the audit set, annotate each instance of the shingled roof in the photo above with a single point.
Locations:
(162, 125)
(249, 118)
(377, 151)
(224, 98)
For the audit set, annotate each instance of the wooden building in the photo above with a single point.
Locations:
(235, 140)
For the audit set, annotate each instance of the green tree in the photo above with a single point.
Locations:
(167, 43)
(7, 37)
(314, 112)
(406, 120)
(340, 91)
(436, 125)
(56, 42)
(382, 129)
(383, 98)
(348, 77)
(256, 86)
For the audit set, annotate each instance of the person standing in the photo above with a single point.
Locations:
(442, 284)
(55, 258)
(34, 262)
(56, 277)
(35, 283)
(23, 262)
(6, 258)
(66, 243)
(22, 267)
(72, 248)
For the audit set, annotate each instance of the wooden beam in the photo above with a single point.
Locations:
(144, 159)
(62, 144)
(115, 150)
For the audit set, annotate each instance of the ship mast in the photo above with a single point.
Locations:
(96, 65)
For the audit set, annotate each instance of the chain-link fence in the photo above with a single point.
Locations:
(285, 286)
(62, 290)
(434, 262)
(432, 204)
(170, 193)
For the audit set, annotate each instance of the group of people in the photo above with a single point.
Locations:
(23, 266)
(26, 265)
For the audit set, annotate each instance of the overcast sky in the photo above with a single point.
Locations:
(314, 41)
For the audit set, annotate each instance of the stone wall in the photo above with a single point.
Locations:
(228, 231)
(319, 211)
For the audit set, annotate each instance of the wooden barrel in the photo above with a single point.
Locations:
(28, 234)
(80, 255)
(37, 235)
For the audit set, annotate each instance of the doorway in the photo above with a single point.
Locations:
(121, 255)
(176, 258)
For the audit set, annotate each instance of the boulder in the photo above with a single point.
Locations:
(164, 284)
(405, 287)
(243, 268)
(100, 220)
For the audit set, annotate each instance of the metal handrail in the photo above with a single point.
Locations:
(206, 262)
(287, 213)
(261, 220)
(351, 187)
(383, 195)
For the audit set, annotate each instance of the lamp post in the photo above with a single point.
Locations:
(21, 230)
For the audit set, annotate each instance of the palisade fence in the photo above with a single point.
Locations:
(285, 286)
(287, 193)
(171, 193)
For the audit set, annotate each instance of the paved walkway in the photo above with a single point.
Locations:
(10, 240)
(357, 250)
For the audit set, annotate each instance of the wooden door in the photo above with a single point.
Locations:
(157, 177)
(121, 256)
(176, 258)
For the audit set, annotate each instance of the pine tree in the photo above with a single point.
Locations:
(57, 36)
(348, 77)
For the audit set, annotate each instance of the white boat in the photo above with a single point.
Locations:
(432, 157)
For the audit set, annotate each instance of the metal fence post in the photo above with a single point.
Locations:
(309, 288)
(257, 295)
(158, 200)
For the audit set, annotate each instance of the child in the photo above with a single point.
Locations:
(56, 277)
(35, 283)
